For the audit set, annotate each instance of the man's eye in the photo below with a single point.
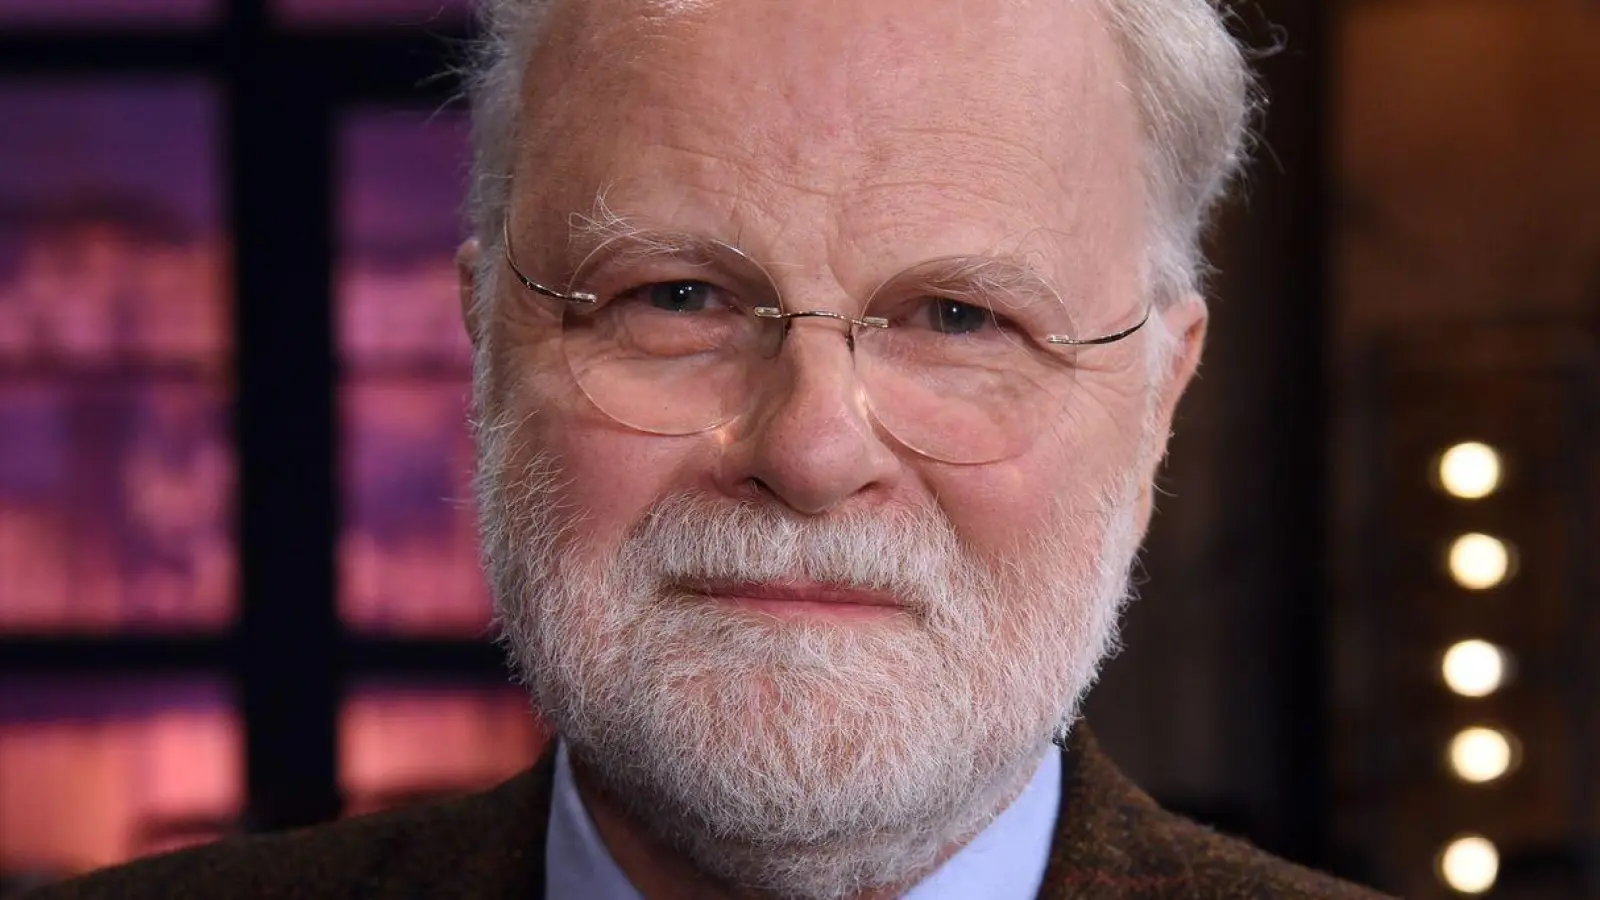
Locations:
(678, 296)
(955, 317)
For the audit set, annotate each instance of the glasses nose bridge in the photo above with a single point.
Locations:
(850, 324)
(809, 365)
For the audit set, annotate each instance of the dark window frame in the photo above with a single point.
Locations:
(288, 656)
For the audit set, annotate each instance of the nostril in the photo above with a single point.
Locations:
(761, 489)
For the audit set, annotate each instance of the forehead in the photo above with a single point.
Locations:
(884, 126)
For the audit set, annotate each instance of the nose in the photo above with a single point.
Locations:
(809, 441)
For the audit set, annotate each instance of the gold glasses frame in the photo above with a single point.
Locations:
(772, 312)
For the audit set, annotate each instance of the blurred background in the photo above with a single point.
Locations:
(238, 589)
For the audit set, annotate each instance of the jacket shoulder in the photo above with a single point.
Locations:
(437, 850)
(326, 861)
(1114, 841)
(1208, 865)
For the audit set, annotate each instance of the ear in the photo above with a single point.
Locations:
(1186, 322)
(467, 256)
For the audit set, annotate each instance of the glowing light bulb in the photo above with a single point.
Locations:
(1480, 755)
(1470, 470)
(1474, 668)
(1479, 562)
(1470, 864)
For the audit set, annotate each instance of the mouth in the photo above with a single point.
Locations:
(801, 599)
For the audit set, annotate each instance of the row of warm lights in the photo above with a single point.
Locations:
(1479, 755)
(1472, 471)
(1470, 863)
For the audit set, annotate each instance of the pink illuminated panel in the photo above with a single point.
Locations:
(111, 251)
(401, 744)
(408, 559)
(116, 477)
(407, 553)
(402, 311)
(114, 506)
(96, 772)
(403, 181)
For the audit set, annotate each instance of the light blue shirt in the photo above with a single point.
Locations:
(1006, 861)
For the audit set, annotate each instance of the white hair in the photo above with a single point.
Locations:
(1188, 75)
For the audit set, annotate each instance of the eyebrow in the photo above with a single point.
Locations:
(627, 240)
(589, 233)
(988, 275)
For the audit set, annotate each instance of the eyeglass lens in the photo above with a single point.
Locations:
(672, 346)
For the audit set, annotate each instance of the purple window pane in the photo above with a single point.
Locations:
(404, 177)
(408, 552)
(408, 559)
(403, 743)
(348, 12)
(400, 314)
(94, 772)
(111, 248)
(115, 471)
(106, 12)
(115, 506)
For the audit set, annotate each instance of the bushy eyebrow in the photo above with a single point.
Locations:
(982, 277)
(622, 240)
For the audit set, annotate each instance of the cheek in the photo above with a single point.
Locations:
(612, 478)
(997, 508)
(528, 367)
(609, 477)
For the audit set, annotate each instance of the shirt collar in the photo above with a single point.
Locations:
(1006, 861)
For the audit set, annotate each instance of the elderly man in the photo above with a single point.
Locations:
(825, 355)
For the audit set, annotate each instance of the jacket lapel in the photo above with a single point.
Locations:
(1098, 850)
(494, 849)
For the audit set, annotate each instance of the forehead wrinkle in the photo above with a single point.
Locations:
(904, 230)
(820, 136)
(842, 124)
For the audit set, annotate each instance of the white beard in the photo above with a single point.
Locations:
(804, 760)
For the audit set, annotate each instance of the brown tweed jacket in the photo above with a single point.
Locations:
(1112, 841)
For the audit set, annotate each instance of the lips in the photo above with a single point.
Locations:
(801, 598)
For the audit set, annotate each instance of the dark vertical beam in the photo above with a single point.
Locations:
(1283, 232)
(1258, 420)
(287, 650)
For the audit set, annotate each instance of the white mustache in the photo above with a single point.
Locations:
(917, 557)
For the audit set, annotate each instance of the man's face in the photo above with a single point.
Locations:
(836, 145)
